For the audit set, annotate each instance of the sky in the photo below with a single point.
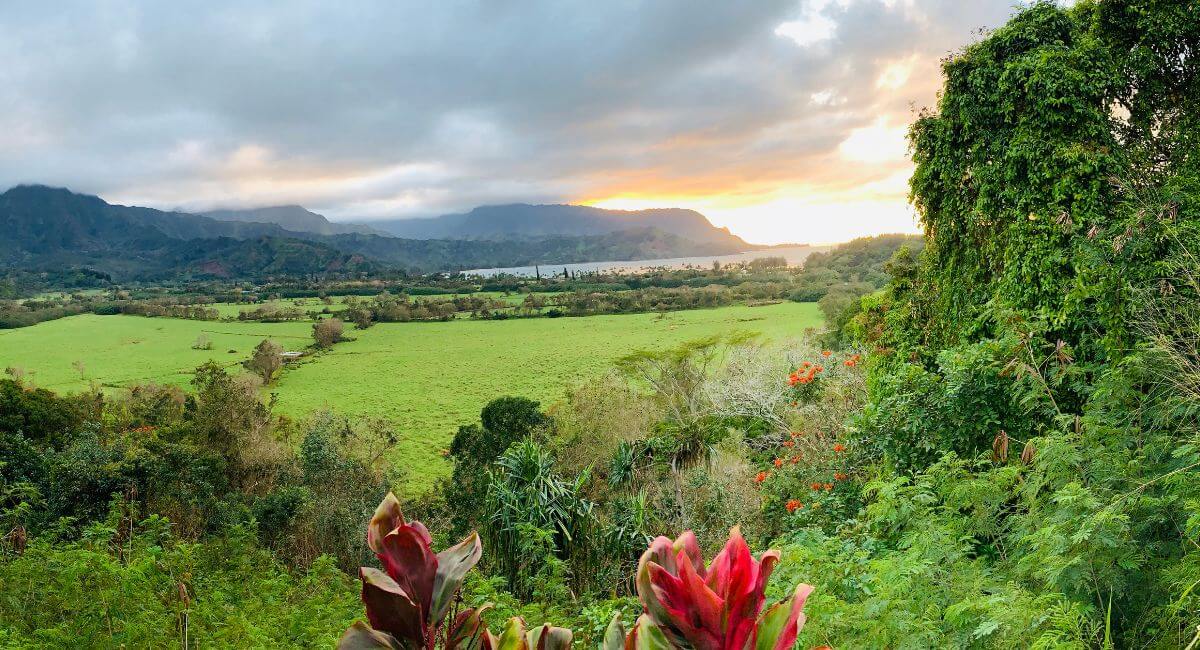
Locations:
(783, 120)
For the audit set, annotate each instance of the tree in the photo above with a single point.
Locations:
(38, 414)
(1055, 169)
(327, 332)
(227, 415)
(361, 317)
(267, 360)
(506, 421)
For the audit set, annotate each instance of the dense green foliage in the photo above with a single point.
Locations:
(151, 589)
(1046, 340)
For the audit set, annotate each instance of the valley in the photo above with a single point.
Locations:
(426, 378)
(569, 363)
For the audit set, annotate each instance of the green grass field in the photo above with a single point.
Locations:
(122, 350)
(230, 310)
(428, 377)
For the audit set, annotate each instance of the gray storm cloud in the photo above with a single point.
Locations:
(398, 108)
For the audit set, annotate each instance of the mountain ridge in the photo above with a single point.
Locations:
(50, 229)
(295, 218)
(525, 220)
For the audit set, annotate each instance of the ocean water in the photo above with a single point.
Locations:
(795, 256)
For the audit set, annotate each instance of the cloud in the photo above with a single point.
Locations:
(375, 109)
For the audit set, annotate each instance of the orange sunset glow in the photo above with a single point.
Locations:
(784, 121)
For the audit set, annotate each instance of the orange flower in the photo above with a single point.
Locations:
(838, 476)
(839, 447)
(815, 486)
(779, 462)
(828, 486)
(850, 363)
(789, 443)
(796, 459)
(792, 504)
(819, 368)
(825, 353)
(762, 476)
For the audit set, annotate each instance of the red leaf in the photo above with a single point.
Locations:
(387, 518)
(407, 558)
(693, 610)
(390, 609)
(687, 546)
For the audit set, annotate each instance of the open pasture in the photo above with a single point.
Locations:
(70, 354)
(427, 377)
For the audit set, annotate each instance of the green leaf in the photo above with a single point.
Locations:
(614, 636)
(985, 628)
(778, 626)
(453, 564)
(646, 635)
(513, 637)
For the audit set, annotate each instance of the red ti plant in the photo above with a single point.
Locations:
(719, 607)
(408, 601)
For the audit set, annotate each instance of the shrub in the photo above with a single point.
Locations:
(327, 332)
(916, 415)
(266, 361)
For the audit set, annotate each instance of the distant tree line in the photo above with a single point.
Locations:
(836, 278)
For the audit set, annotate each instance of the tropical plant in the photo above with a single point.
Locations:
(536, 516)
(408, 603)
(719, 607)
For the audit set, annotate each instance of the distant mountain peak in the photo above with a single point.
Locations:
(295, 218)
(50, 229)
(524, 220)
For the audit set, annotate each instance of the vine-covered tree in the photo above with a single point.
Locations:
(1057, 167)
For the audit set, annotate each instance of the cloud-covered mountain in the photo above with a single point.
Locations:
(54, 229)
(399, 108)
(524, 221)
(294, 218)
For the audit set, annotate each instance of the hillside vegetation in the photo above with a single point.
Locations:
(392, 371)
(1000, 448)
(54, 230)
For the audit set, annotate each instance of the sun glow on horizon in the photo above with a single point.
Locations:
(801, 218)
